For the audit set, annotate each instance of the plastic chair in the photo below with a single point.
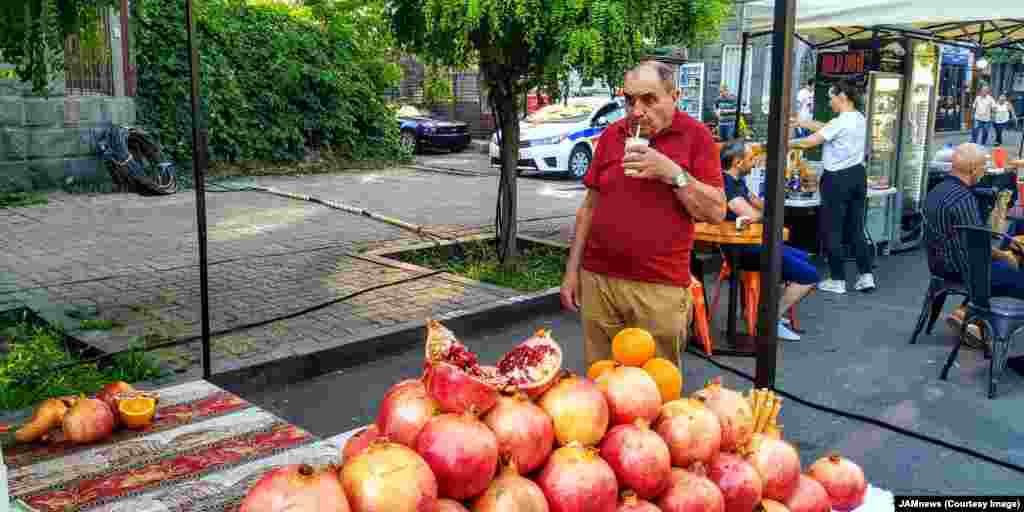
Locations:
(1001, 317)
(750, 280)
(701, 319)
(939, 288)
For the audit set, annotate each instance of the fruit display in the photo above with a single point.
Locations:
(527, 435)
(84, 420)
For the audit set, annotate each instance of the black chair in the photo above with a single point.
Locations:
(1000, 317)
(935, 298)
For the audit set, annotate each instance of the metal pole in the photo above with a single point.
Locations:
(198, 176)
(778, 147)
(745, 40)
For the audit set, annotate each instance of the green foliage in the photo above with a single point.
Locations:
(542, 266)
(437, 86)
(1004, 56)
(271, 74)
(22, 199)
(35, 350)
(32, 35)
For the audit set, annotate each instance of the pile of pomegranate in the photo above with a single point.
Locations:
(526, 436)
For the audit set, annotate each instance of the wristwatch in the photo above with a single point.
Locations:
(681, 180)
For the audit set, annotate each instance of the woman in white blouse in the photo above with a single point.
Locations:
(1001, 115)
(843, 186)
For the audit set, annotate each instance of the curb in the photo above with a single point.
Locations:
(482, 146)
(384, 342)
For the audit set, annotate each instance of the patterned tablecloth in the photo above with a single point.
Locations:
(204, 450)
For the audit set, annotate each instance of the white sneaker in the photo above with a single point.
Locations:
(785, 333)
(865, 283)
(833, 285)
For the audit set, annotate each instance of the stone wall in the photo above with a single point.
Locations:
(50, 143)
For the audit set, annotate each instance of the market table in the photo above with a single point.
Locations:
(204, 450)
(726, 234)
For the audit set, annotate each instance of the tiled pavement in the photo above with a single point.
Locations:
(133, 260)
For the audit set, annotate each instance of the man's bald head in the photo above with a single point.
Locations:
(969, 162)
(653, 69)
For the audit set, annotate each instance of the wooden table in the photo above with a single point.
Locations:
(202, 454)
(726, 234)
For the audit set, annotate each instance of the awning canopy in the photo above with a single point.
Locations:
(949, 21)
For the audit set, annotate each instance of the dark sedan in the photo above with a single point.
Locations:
(420, 130)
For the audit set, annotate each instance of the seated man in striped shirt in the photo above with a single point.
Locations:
(951, 203)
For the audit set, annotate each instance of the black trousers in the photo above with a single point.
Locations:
(843, 201)
(999, 132)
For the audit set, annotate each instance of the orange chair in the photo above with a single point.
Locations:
(999, 156)
(750, 281)
(701, 320)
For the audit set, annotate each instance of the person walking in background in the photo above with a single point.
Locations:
(805, 107)
(843, 186)
(1002, 112)
(629, 264)
(725, 109)
(983, 106)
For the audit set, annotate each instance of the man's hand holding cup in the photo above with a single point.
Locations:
(642, 161)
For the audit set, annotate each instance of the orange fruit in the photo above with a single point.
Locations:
(600, 367)
(667, 376)
(137, 412)
(633, 346)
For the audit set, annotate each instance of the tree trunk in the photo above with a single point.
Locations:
(508, 110)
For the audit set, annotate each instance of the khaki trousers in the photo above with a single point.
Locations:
(610, 304)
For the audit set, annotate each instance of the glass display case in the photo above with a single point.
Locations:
(691, 87)
(916, 139)
(883, 107)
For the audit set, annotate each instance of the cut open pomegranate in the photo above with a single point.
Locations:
(533, 366)
(453, 375)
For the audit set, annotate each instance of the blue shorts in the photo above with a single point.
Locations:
(796, 264)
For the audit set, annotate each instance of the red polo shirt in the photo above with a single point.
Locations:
(640, 231)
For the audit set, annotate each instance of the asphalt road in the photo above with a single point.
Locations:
(338, 402)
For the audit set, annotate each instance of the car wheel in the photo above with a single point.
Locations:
(579, 161)
(408, 140)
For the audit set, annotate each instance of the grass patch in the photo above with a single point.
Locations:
(33, 350)
(22, 199)
(97, 325)
(540, 266)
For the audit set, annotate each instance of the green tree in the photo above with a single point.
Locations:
(522, 44)
(32, 34)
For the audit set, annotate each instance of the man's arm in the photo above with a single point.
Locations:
(705, 203)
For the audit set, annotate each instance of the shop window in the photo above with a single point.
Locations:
(731, 71)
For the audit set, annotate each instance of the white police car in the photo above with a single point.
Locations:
(561, 138)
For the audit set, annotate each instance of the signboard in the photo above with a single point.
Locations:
(843, 64)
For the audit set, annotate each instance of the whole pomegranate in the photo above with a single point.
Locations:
(453, 375)
(739, 482)
(809, 496)
(578, 409)
(88, 421)
(359, 442)
(447, 505)
(842, 479)
(389, 476)
(534, 365)
(576, 479)
(510, 492)
(691, 491)
(406, 407)
(525, 433)
(691, 431)
(770, 506)
(461, 451)
(631, 394)
(639, 458)
(778, 464)
(631, 503)
(733, 411)
(297, 487)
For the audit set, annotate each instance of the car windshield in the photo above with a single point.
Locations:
(574, 112)
(411, 111)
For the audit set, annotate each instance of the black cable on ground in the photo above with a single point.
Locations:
(231, 330)
(866, 419)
